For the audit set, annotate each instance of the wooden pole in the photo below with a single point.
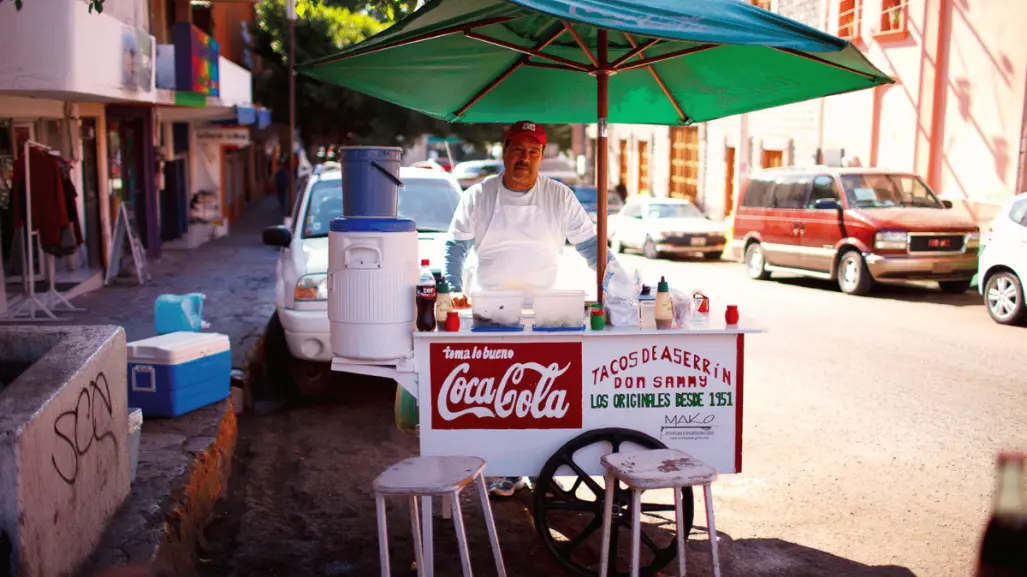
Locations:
(602, 157)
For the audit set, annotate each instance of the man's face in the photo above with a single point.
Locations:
(521, 160)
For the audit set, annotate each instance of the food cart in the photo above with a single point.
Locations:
(552, 403)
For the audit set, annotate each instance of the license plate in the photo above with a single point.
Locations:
(698, 241)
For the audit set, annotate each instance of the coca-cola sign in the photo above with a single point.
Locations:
(506, 386)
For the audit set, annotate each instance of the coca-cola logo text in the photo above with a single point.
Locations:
(516, 386)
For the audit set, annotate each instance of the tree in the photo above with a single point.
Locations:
(329, 114)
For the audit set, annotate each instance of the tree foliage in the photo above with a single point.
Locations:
(329, 114)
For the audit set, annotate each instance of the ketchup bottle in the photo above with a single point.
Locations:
(426, 295)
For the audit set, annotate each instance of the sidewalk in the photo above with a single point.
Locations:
(184, 463)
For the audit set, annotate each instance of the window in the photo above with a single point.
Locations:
(887, 191)
(893, 16)
(764, 4)
(773, 158)
(430, 202)
(823, 189)
(757, 194)
(673, 210)
(850, 17)
(790, 193)
(623, 159)
(1019, 212)
(684, 162)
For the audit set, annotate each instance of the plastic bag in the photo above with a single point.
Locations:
(621, 289)
(682, 303)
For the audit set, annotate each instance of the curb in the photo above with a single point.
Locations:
(184, 468)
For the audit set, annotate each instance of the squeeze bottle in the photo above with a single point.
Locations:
(664, 306)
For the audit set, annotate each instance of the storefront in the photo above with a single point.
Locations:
(72, 106)
(206, 117)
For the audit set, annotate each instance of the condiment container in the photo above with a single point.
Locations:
(443, 305)
(664, 313)
(452, 322)
(731, 315)
(558, 308)
(648, 314)
(700, 309)
(597, 317)
(492, 309)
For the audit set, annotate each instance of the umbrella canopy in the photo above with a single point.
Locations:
(668, 61)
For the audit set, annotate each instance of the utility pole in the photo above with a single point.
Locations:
(291, 15)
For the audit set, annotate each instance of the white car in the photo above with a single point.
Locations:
(301, 289)
(1003, 264)
(658, 226)
(471, 172)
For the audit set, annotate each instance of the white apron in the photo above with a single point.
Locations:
(517, 252)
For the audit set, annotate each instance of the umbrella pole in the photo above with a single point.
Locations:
(602, 157)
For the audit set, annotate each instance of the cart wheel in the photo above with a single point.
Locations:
(569, 508)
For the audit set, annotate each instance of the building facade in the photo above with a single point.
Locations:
(90, 86)
(955, 115)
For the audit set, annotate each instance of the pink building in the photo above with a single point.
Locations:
(956, 114)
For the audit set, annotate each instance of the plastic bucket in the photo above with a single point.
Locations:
(370, 181)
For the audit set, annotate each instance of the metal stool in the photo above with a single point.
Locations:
(426, 477)
(656, 469)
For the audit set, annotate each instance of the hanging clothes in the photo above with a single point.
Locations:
(49, 210)
(71, 236)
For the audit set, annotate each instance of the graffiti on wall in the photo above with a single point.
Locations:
(79, 429)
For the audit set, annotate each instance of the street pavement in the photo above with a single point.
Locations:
(871, 426)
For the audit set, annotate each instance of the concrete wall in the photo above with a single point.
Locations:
(58, 46)
(64, 465)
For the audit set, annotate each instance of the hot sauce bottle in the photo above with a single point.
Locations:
(443, 304)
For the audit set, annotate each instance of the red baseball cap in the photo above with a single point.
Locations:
(527, 129)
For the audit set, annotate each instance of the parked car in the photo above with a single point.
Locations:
(559, 169)
(588, 196)
(855, 226)
(301, 289)
(1003, 264)
(658, 226)
(472, 172)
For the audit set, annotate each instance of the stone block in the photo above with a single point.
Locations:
(64, 462)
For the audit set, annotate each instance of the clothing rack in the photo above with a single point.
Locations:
(51, 299)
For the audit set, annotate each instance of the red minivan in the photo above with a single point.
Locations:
(852, 225)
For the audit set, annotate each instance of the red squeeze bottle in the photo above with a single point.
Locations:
(453, 322)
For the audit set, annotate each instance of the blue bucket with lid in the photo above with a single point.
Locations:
(370, 181)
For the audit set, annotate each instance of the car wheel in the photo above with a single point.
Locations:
(853, 276)
(712, 255)
(755, 264)
(1003, 295)
(312, 378)
(649, 249)
(278, 360)
(954, 287)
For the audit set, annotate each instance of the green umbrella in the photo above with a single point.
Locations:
(674, 62)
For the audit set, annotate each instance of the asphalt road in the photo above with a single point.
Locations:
(871, 426)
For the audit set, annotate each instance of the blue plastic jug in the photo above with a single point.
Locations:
(370, 181)
(174, 313)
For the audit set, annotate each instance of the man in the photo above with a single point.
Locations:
(518, 222)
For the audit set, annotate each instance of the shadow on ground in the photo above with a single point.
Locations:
(917, 293)
(300, 503)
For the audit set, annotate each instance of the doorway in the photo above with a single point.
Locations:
(91, 196)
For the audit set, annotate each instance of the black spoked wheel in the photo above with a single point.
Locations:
(569, 508)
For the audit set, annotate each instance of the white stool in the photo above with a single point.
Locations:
(656, 469)
(426, 477)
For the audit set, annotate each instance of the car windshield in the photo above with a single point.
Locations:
(887, 190)
(430, 202)
(673, 211)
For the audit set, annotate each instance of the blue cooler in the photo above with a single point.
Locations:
(173, 374)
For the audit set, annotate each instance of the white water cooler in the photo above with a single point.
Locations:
(372, 279)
